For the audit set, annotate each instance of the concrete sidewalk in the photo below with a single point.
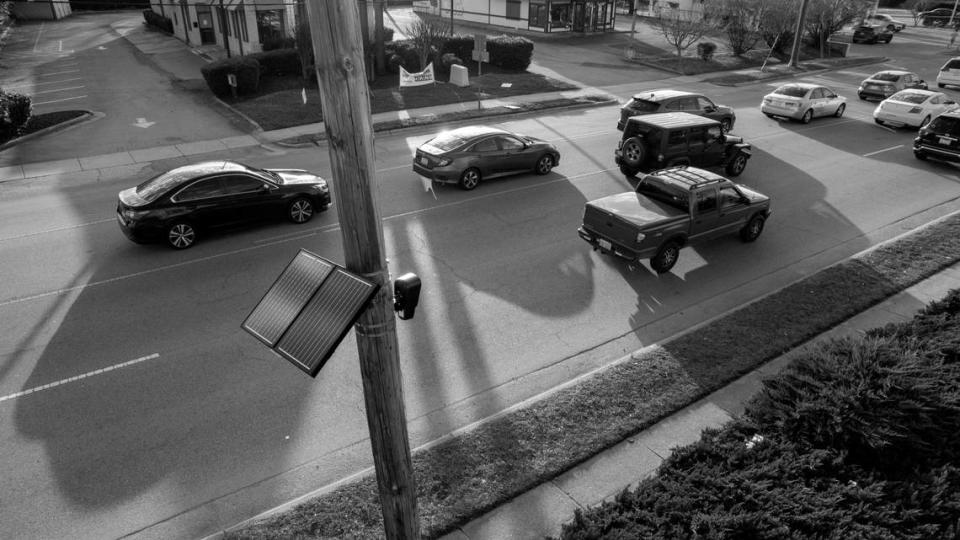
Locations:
(543, 510)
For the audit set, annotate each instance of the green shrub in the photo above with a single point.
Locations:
(278, 62)
(461, 46)
(273, 43)
(510, 52)
(705, 50)
(18, 108)
(157, 21)
(245, 68)
(447, 60)
(402, 53)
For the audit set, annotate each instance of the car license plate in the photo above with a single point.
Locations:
(604, 244)
(946, 141)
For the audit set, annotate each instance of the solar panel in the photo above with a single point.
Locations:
(308, 310)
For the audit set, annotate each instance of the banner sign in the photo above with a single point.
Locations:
(416, 79)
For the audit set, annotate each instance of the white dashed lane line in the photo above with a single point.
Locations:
(78, 377)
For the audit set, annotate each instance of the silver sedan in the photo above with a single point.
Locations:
(803, 102)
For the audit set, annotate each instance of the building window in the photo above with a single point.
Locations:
(270, 25)
(538, 15)
(240, 23)
(513, 9)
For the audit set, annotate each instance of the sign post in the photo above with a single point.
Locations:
(480, 55)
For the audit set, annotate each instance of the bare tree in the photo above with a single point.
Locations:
(824, 17)
(681, 29)
(778, 24)
(428, 37)
(740, 21)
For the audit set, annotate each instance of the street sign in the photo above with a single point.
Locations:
(308, 310)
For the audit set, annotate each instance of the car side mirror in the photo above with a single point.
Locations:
(709, 109)
(406, 295)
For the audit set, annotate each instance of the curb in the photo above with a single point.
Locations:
(86, 116)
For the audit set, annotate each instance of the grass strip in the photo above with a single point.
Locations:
(475, 472)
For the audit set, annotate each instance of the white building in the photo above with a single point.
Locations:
(239, 26)
(536, 15)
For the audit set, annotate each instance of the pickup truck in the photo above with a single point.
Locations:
(669, 209)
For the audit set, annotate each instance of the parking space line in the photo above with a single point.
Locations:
(59, 90)
(59, 100)
(34, 85)
(884, 150)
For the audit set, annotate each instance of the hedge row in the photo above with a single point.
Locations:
(158, 21)
(15, 111)
(857, 438)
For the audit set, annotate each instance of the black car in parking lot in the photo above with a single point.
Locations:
(940, 138)
(177, 205)
(871, 33)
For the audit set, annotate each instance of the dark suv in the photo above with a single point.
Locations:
(660, 101)
(869, 33)
(655, 141)
(940, 138)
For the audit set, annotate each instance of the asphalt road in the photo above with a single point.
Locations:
(131, 403)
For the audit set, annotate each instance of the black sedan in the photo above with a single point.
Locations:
(467, 155)
(175, 206)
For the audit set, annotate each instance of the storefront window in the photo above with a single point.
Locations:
(270, 25)
(538, 15)
(560, 16)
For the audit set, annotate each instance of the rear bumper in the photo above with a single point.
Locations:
(440, 174)
(609, 247)
(936, 152)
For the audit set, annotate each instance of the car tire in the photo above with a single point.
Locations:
(725, 125)
(470, 179)
(861, 97)
(181, 235)
(940, 85)
(751, 231)
(544, 164)
(878, 121)
(920, 155)
(628, 171)
(666, 257)
(807, 116)
(924, 122)
(840, 109)
(300, 210)
(737, 164)
(633, 152)
(891, 28)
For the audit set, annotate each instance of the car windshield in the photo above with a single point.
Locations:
(792, 90)
(153, 188)
(659, 191)
(883, 76)
(909, 97)
(448, 141)
(643, 105)
(947, 125)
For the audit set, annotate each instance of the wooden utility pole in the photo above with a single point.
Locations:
(345, 96)
(798, 35)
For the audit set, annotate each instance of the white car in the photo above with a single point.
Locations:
(949, 73)
(912, 107)
(803, 102)
(882, 19)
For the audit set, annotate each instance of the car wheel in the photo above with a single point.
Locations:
(840, 109)
(807, 116)
(920, 155)
(181, 235)
(891, 28)
(725, 125)
(737, 164)
(878, 121)
(544, 164)
(925, 121)
(666, 257)
(633, 152)
(940, 85)
(628, 171)
(861, 97)
(470, 179)
(751, 231)
(300, 210)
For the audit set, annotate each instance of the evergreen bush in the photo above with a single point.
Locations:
(705, 50)
(278, 62)
(157, 21)
(402, 53)
(510, 52)
(18, 110)
(447, 60)
(246, 69)
(459, 45)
